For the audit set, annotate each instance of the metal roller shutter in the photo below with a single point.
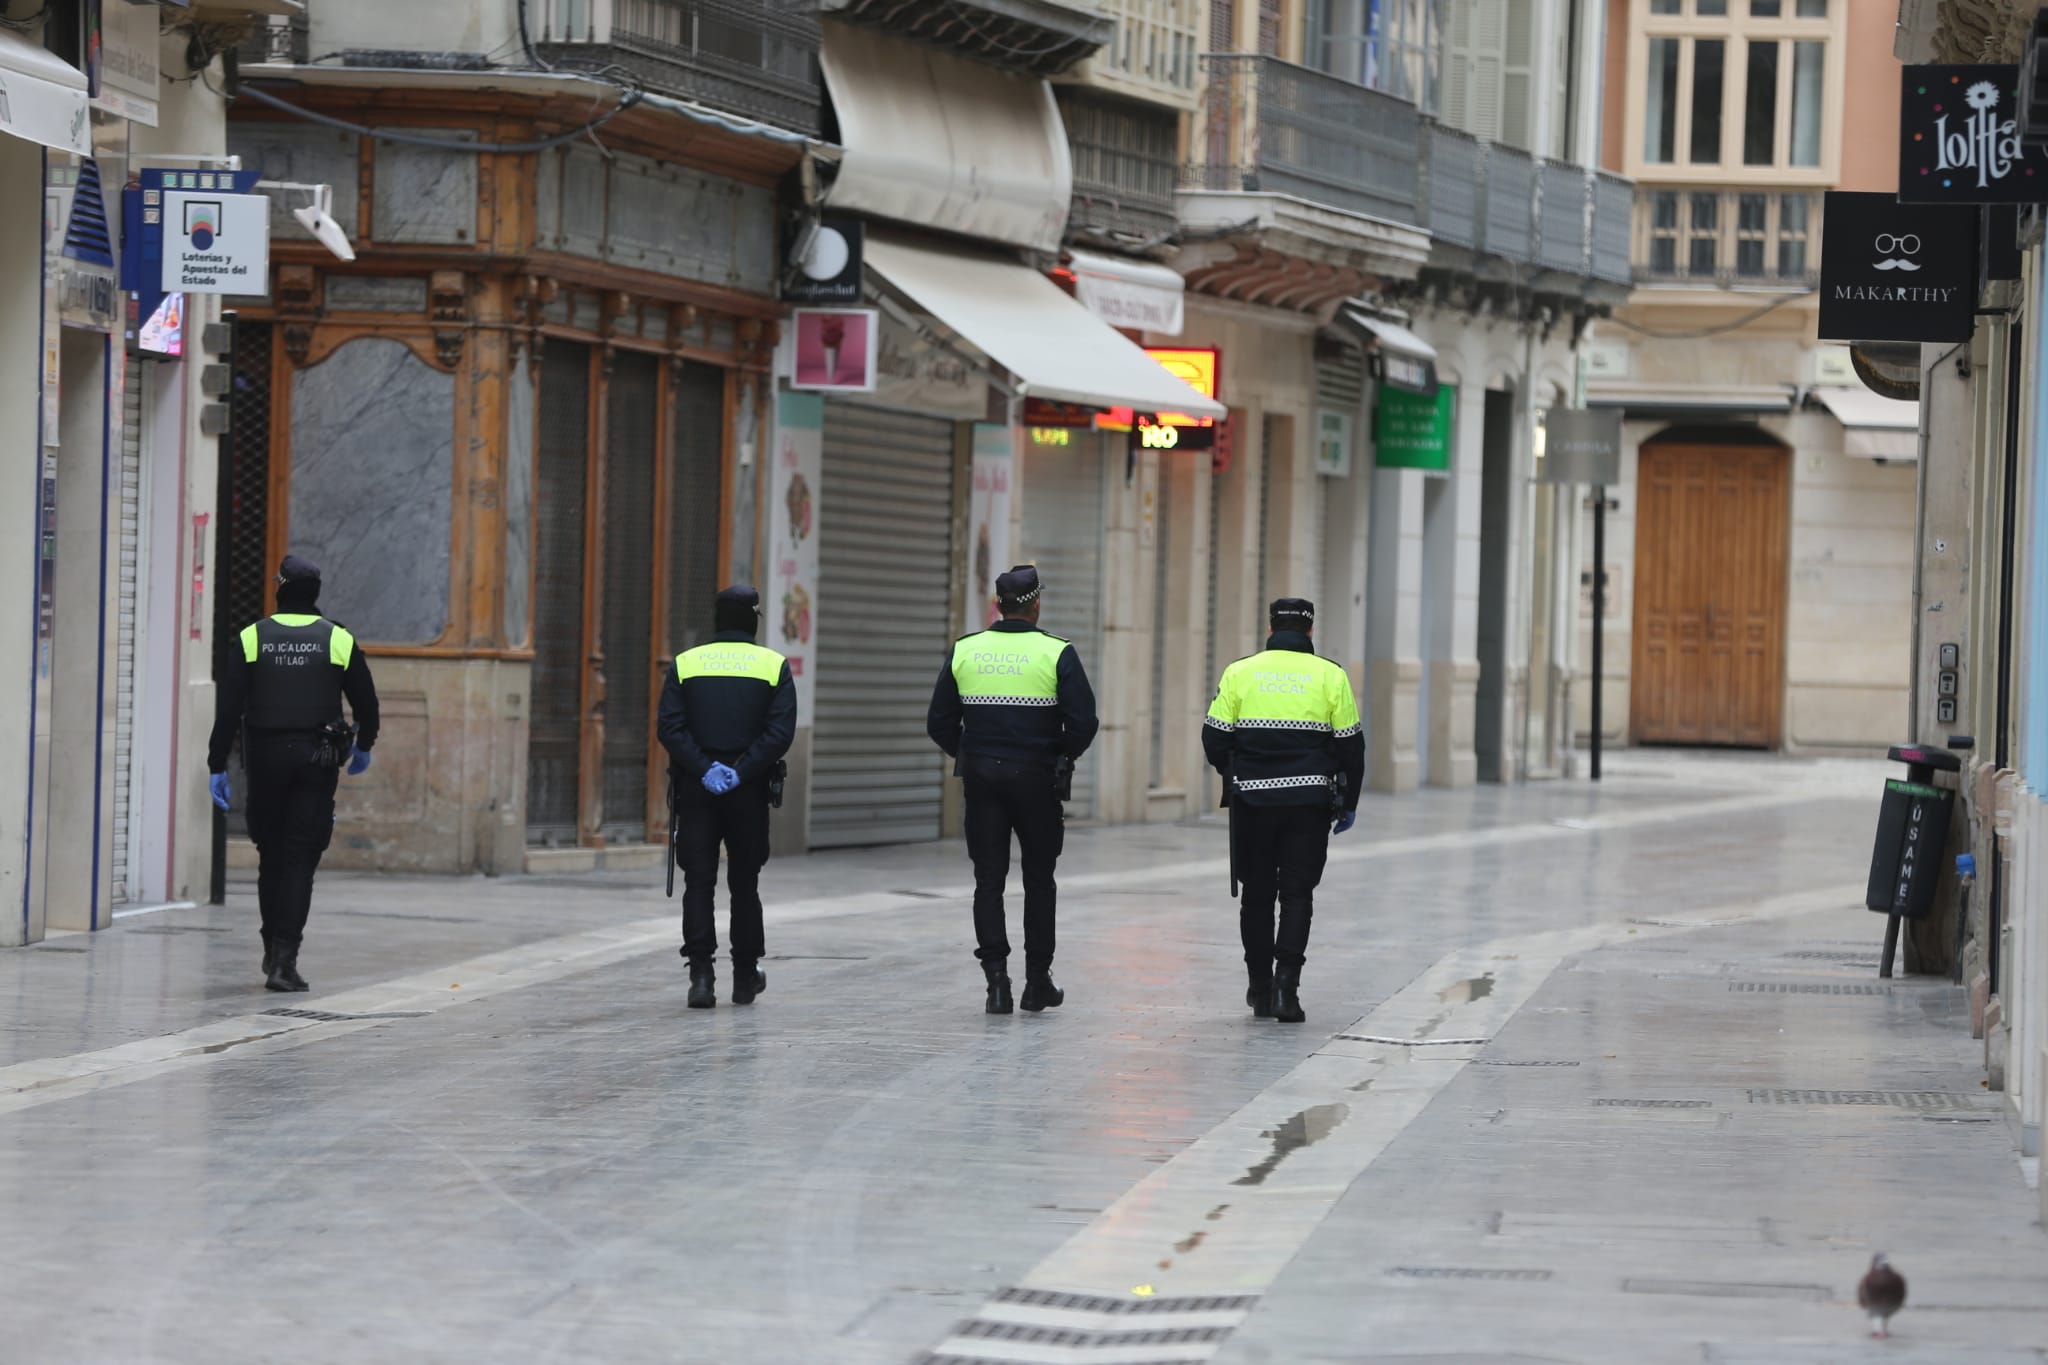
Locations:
(554, 734)
(627, 619)
(885, 620)
(1063, 498)
(1340, 387)
(128, 643)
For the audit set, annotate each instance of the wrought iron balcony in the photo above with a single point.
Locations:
(1551, 215)
(1037, 37)
(745, 56)
(1274, 127)
(1726, 236)
(1125, 165)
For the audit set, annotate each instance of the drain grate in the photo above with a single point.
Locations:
(1718, 1289)
(1487, 1062)
(1653, 1104)
(948, 1359)
(51, 948)
(1095, 1303)
(1463, 1272)
(1413, 1042)
(331, 1017)
(1807, 988)
(1924, 1100)
(916, 895)
(182, 929)
(1080, 1338)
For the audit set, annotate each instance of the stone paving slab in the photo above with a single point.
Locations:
(574, 1167)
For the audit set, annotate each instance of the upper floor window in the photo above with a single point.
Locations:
(1389, 45)
(1734, 84)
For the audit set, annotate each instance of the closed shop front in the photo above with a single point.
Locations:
(885, 623)
(129, 638)
(1063, 536)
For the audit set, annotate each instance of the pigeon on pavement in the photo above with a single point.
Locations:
(1881, 1293)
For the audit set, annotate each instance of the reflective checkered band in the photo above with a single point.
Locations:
(1347, 732)
(1215, 724)
(1260, 723)
(1266, 784)
(1009, 701)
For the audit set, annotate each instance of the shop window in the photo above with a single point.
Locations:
(372, 478)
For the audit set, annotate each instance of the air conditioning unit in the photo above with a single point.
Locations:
(2033, 94)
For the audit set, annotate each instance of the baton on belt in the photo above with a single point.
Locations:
(1231, 806)
(675, 832)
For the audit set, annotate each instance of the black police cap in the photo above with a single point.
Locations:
(1019, 587)
(1295, 611)
(297, 570)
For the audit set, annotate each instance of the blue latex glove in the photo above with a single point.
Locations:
(217, 784)
(1344, 822)
(359, 764)
(719, 779)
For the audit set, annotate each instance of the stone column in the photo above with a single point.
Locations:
(1393, 621)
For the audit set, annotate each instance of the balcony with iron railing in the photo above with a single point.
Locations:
(751, 58)
(1125, 165)
(1270, 126)
(1727, 237)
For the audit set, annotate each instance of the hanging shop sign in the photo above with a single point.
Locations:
(825, 263)
(913, 371)
(1891, 271)
(1157, 433)
(1581, 445)
(1413, 430)
(143, 232)
(835, 348)
(1333, 443)
(130, 74)
(216, 243)
(1959, 139)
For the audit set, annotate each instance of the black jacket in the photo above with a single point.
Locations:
(742, 722)
(232, 697)
(1018, 733)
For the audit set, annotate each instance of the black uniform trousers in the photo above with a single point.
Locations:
(291, 821)
(1280, 854)
(1005, 797)
(739, 821)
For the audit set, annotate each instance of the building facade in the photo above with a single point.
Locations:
(112, 463)
(1760, 551)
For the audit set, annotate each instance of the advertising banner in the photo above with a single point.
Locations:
(789, 609)
(1411, 431)
(989, 520)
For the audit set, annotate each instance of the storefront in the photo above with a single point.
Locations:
(521, 445)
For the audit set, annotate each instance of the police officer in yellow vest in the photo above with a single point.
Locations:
(728, 715)
(1284, 733)
(1013, 707)
(283, 692)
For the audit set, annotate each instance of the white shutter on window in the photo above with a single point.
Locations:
(1518, 61)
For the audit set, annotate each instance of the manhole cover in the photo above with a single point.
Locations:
(1894, 1099)
(1716, 1289)
(1807, 988)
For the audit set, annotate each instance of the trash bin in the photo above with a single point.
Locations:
(1912, 830)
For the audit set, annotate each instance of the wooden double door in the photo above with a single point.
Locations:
(1712, 540)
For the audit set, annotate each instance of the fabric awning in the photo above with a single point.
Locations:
(42, 97)
(1052, 346)
(1136, 294)
(1662, 400)
(1873, 426)
(945, 143)
(1406, 360)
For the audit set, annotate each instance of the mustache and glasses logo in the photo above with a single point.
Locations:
(1892, 251)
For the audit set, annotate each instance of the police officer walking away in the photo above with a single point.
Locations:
(1014, 709)
(728, 715)
(1284, 733)
(285, 694)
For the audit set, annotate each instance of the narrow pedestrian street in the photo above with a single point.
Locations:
(1590, 1075)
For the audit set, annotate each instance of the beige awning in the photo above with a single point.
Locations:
(1052, 346)
(1873, 426)
(940, 142)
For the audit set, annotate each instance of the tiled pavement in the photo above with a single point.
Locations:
(1675, 1143)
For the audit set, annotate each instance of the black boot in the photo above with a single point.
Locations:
(284, 967)
(1259, 995)
(1286, 1003)
(748, 981)
(998, 974)
(269, 953)
(1039, 992)
(703, 987)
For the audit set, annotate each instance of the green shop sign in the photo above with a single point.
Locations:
(1411, 431)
